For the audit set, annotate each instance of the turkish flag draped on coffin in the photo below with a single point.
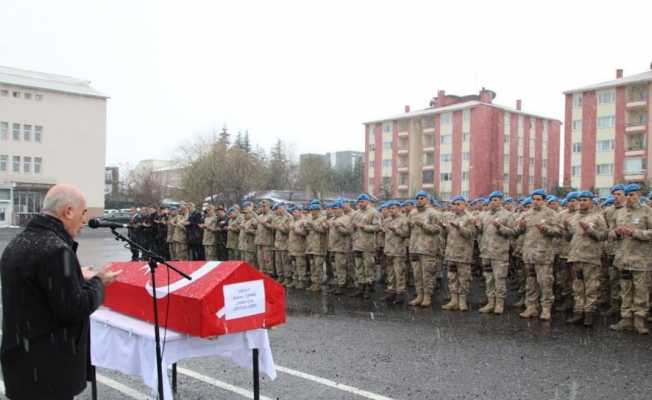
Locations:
(224, 297)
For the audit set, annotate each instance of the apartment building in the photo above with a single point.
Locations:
(607, 132)
(52, 130)
(461, 145)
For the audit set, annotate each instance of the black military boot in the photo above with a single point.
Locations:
(399, 299)
(588, 319)
(390, 296)
(337, 291)
(577, 318)
(357, 292)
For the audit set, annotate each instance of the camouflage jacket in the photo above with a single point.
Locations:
(426, 229)
(233, 233)
(171, 228)
(633, 253)
(208, 238)
(281, 226)
(459, 242)
(339, 234)
(264, 231)
(397, 234)
(610, 217)
(564, 242)
(586, 246)
(364, 235)
(538, 246)
(316, 241)
(297, 237)
(495, 241)
(180, 229)
(380, 235)
(247, 237)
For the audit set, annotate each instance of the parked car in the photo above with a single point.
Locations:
(118, 217)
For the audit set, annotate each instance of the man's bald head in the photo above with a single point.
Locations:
(66, 203)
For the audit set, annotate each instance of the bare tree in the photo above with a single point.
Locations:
(144, 188)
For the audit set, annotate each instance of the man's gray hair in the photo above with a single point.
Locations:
(61, 196)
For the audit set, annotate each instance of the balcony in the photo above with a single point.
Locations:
(402, 150)
(428, 167)
(428, 185)
(429, 149)
(403, 133)
(402, 186)
(636, 127)
(636, 103)
(402, 168)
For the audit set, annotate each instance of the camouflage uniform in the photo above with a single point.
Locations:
(364, 244)
(564, 270)
(424, 245)
(458, 257)
(246, 241)
(610, 249)
(170, 237)
(316, 247)
(265, 243)
(538, 256)
(396, 237)
(297, 250)
(339, 245)
(519, 265)
(282, 230)
(585, 254)
(494, 252)
(380, 249)
(232, 237)
(180, 239)
(208, 239)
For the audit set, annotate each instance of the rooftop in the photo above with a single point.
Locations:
(628, 80)
(45, 81)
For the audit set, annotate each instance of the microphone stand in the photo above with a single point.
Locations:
(154, 260)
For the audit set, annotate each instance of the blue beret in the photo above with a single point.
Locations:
(527, 201)
(610, 201)
(392, 203)
(649, 195)
(585, 194)
(458, 198)
(422, 194)
(364, 196)
(313, 207)
(409, 203)
(572, 196)
(596, 200)
(435, 203)
(563, 202)
(539, 192)
(509, 200)
(496, 194)
(315, 201)
(632, 187)
(617, 187)
(485, 201)
(552, 199)
(336, 204)
(247, 204)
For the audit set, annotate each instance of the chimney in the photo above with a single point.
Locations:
(486, 95)
(407, 108)
(619, 73)
(518, 104)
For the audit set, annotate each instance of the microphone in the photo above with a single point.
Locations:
(98, 223)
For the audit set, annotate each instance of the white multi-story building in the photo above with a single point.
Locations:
(52, 130)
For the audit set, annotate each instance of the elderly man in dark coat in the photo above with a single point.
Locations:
(47, 300)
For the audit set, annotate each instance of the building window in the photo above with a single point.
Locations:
(519, 179)
(402, 125)
(445, 119)
(577, 147)
(465, 137)
(445, 139)
(506, 160)
(387, 145)
(4, 160)
(428, 159)
(4, 93)
(577, 100)
(604, 192)
(531, 161)
(445, 157)
(4, 130)
(465, 176)
(520, 161)
(531, 180)
(427, 123)
(27, 133)
(606, 122)
(505, 178)
(544, 164)
(466, 115)
(15, 131)
(28, 96)
(606, 97)
(387, 163)
(634, 165)
(371, 182)
(16, 164)
(532, 143)
(27, 165)
(446, 176)
(575, 170)
(15, 94)
(403, 179)
(577, 124)
(428, 177)
(38, 162)
(466, 156)
(387, 127)
(605, 169)
(38, 97)
(38, 133)
(506, 139)
(372, 147)
(445, 195)
(605, 145)
(371, 164)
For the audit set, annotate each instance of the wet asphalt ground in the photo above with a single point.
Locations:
(346, 346)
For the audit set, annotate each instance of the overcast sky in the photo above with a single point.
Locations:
(311, 72)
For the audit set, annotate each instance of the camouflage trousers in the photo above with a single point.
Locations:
(563, 278)
(395, 274)
(520, 275)
(299, 268)
(181, 251)
(495, 277)
(316, 265)
(172, 248)
(424, 269)
(586, 287)
(350, 270)
(265, 259)
(614, 280)
(365, 267)
(539, 285)
(459, 278)
(250, 258)
(234, 254)
(635, 293)
(340, 261)
(210, 252)
(282, 264)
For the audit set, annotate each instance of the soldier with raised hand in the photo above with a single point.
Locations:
(613, 207)
(339, 244)
(347, 208)
(180, 237)
(634, 259)
(564, 269)
(424, 245)
(316, 245)
(233, 233)
(265, 239)
(461, 232)
(587, 231)
(281, 225)
(496, 228)
(365, 223)
(209, 227)
(397, 233)
(247, 236)
(297, 247)
(540, 225)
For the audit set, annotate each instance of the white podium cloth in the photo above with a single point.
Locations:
(127, 345)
